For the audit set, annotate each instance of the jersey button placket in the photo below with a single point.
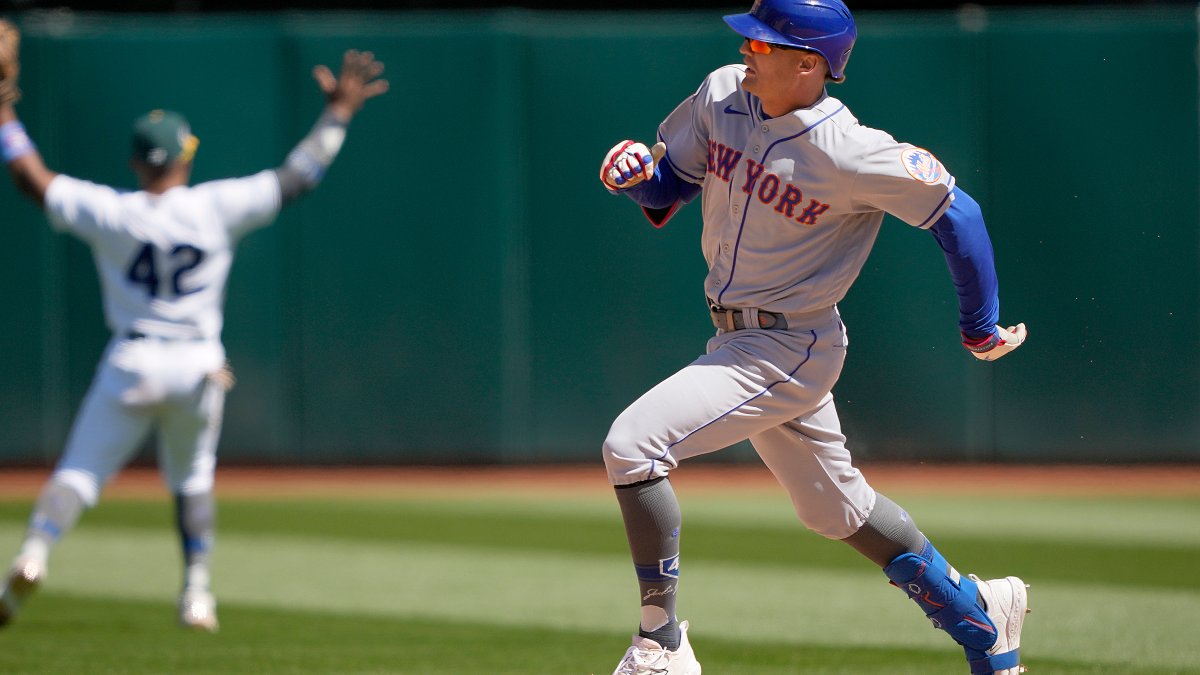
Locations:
(758, 141)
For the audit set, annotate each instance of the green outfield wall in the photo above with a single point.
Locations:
(460, 289)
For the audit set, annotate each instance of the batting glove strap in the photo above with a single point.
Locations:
(984, 344)
(999, 343)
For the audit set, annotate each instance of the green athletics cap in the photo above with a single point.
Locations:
(161, 137)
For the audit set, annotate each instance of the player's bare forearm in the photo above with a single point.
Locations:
(345, 94)
(25, 165)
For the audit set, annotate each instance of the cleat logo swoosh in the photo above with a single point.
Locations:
(982, 626)
(730, 110)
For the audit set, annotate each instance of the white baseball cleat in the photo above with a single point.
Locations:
(23, 579)
(647, 657)
(198, 610)
(1007, 603)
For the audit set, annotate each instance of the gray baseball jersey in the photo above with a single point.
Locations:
(792, 205)
(791, 208)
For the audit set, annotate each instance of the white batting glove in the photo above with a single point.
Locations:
(629, 163)
(1003, 341)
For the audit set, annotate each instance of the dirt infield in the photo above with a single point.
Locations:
(247, 482)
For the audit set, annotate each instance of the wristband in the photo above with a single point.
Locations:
(14, 142)
(311, 158)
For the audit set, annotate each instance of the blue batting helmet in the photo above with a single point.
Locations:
(823, 26)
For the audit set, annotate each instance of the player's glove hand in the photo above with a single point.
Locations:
(10, 62)
(992, 347)
(223, 377)
(629, 163)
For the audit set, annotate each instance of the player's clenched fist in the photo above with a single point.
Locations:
(1003, 341)
(629, 163)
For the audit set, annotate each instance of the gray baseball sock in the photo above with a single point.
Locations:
(195, 516)
(55, 513)
(888, 532)
(652, 522)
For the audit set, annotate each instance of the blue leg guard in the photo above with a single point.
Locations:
(949, 601)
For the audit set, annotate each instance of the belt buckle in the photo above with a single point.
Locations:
(722, 317)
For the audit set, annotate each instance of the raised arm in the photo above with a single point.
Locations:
(345, 95)
(25, 165)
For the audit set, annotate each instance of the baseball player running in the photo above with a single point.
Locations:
(794, 190)
(163, 254)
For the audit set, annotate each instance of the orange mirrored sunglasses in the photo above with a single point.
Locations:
(760, 47)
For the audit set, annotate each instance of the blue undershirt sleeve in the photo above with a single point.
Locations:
(964, 240)
(663, 189)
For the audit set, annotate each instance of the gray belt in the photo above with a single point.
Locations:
(746, 317)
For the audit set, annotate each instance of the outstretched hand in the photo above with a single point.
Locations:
(10, 62)
(357, 82)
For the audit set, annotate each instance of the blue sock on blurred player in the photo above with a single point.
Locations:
(195, 517)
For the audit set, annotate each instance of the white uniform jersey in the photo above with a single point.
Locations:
(164, 259)
(792, 204)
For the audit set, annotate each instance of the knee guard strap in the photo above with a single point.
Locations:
(948, 600)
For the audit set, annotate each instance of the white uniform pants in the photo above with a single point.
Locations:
(139, 385)
(771, 387)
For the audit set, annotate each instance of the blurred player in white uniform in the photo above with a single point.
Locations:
(163, 254)
(794, 192)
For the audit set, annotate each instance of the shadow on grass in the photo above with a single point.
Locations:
(402, 521)
(64, 634)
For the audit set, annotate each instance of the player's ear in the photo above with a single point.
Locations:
(811, 63)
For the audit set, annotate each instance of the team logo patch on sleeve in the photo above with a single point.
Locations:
(922, 165)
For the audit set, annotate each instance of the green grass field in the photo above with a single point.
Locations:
(516, 581)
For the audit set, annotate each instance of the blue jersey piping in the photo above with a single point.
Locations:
(746, 206)
(807, 355)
